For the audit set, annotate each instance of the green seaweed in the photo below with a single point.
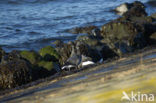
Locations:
(31, 56)
(49, 51)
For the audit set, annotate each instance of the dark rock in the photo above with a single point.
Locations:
(2, 53)
(6, 57)
(123, 37)
(14, 73)
(136, 11)
(58, 43)
(107, 53)
(64, 53)
(132, 9)
(84, 30)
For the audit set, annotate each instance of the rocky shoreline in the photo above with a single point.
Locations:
(132, 31)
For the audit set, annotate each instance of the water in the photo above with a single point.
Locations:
(32, 24)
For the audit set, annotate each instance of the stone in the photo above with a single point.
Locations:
(14, 73)
(31, 56)
(49, 65)
(83, 30)
(49, 53)
(131, 9)
(123, 37)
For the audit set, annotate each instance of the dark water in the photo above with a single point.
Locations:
(32, 24)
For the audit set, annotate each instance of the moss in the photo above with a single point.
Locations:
(31, 56)
(46, 65)
(50, 51)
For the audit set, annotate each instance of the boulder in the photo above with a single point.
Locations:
(50, 66)
(131, 9)
(123, 36)
(14, 73)
(31, 56)
(2, 53)
(49, 53)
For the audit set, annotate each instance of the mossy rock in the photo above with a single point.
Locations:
(31, 56)
(49, 51)
(46, 65)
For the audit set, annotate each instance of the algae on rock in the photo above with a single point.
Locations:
(31, 56)
(49, 52)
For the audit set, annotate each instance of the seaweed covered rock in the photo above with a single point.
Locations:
(7, 57)
(91, 41)
(123, 37)
(83, 30)
(49, 53)
(14, 73)
(50, 66)
(31, 56)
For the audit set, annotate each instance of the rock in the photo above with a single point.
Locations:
(14, 73)
(64, 53)
(89, 40)
(50, 66)
(123, 8)
(123, 37)
(107, 52)
(131, 9)
(136, 11)
(58, 43)
(49, 53)
(2, 53)
(83, 30)
(6, 57)
(31, 56)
